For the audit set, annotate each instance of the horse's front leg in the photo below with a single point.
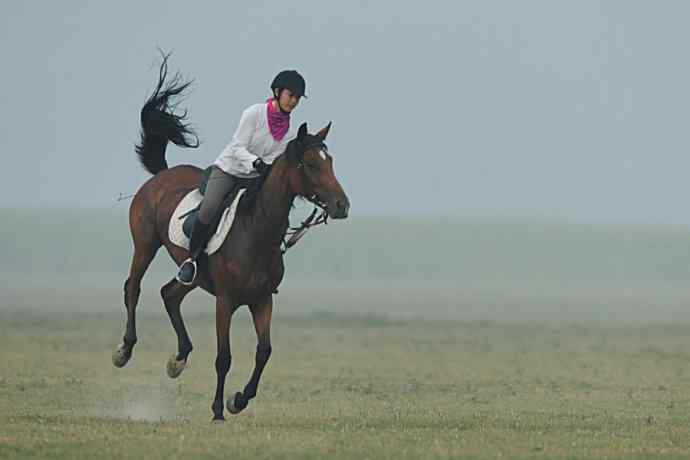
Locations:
(224, 311)
(261, 314)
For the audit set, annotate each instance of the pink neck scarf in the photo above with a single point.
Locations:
(278, 122)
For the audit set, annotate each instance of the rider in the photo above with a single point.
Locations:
(262, 135)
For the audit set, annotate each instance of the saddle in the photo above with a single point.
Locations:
(187, 211)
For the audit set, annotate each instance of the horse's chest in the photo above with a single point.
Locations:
(262, 276)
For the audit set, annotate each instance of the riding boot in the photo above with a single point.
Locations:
(197, 244)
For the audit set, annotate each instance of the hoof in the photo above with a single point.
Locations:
(175, 367)
(121, 355)
(218, 421)
(234, 410)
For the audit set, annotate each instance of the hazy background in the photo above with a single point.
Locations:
(521, 160)
(557, 109)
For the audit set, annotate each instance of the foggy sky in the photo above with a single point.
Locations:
(550, 109)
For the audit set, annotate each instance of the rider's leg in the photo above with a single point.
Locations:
(219, 185)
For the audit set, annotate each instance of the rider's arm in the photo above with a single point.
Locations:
(237, 149)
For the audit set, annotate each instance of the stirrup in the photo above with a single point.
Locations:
(191, 281)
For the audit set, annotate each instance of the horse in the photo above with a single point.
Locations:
(248, 267)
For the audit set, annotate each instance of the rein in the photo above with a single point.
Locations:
(296, 233)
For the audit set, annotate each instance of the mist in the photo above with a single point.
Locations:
(549, 110)
(504, 161)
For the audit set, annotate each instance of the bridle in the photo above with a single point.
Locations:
(294, 234)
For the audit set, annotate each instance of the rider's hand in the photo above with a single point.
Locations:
(260, 166)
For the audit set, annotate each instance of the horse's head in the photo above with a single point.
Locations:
(315, 179)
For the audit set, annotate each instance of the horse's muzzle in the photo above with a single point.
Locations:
(339, 207)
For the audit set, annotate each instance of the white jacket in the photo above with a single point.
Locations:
(252, 140)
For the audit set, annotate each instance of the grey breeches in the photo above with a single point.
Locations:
(219, 185)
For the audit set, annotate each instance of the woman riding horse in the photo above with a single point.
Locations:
(248, 267)
(263, 134)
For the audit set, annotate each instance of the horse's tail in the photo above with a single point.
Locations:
(160, 124)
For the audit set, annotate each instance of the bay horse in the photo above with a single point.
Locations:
(248, 267)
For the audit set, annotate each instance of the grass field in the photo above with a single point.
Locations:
(359, 386)
(391, 339)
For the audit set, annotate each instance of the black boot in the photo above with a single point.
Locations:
(197, 244)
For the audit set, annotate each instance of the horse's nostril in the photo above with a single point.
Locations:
(339, 204)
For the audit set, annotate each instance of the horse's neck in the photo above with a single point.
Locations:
(273, 204)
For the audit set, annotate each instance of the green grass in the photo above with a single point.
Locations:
(355, 386)
(539, 339)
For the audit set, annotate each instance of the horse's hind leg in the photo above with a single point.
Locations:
(173, 293)
(143, 255)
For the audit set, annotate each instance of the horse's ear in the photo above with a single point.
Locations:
(302, 132)
(324, 132)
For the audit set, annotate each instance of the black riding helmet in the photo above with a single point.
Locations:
(289, 79)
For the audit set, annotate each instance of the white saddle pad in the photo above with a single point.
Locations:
(191, 201)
